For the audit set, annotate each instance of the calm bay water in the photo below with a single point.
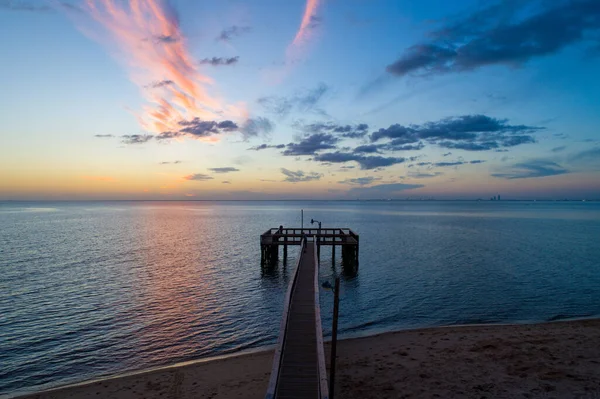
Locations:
(96, 288)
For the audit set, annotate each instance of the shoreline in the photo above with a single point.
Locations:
(246, 374)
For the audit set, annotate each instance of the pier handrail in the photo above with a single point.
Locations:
(272, 388)
(323, 386)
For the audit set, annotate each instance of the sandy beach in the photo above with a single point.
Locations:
(551, 360)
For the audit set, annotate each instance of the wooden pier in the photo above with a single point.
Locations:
(299, 363)
(274, 238)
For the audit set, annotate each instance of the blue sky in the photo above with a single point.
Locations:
(151, 99)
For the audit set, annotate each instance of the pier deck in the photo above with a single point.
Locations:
(299, 363)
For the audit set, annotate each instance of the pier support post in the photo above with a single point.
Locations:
(284, 253)
(333, 254)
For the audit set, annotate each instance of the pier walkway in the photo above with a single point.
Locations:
(299, 362)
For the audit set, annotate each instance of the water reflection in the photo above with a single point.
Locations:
(98, 288)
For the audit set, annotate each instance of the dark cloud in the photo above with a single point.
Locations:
(170, 162)
(446, 154)
(445, 164)
(226, 182)
(217, 61)
(559, 149)
(365, 162)
(397, 145)
(136, 138)
(467, 132)
(198, 177)
(265, 146)
(367, 149)
(257, 126)
(499, 34)
(304, 102)
(361, 181)
(199, 128)
(309, 145)
(103, 136)
(461, 145)
(382, 191)
(299, 176)
(166, 39)
(233, 31)
(227, 169)
(161, 83)
(169, 135)
(346, 131)
(456, 163)
(531, 169)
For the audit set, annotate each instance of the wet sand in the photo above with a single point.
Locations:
(550, 360)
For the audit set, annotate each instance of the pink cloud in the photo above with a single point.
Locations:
(147, 36)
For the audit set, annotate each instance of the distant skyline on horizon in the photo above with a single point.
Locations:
(298, 100)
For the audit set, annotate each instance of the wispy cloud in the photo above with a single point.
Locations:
(455, 163)
(180, 88)
(588, 159)
(170, 162)
(532, 169)
(302, 101)
(360, 181)
(136, 138)
(228, 34)
(501, 34)
(217, 61)
(299, 45)
(421, 175)
(103, 136)
(257, 126)
(227, 169)
(198, 177)
(159, 84)
(310, 21)
(559, 148)
(299, 176)
(266, 146)
(13, 5)
(382, 191)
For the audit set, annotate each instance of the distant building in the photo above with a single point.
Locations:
(498, 197)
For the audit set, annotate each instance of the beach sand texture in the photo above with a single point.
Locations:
(551, 360)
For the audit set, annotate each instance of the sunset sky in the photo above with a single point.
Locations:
(299, 99)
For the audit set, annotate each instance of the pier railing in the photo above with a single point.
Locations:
(323, 385)
(293, 236)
